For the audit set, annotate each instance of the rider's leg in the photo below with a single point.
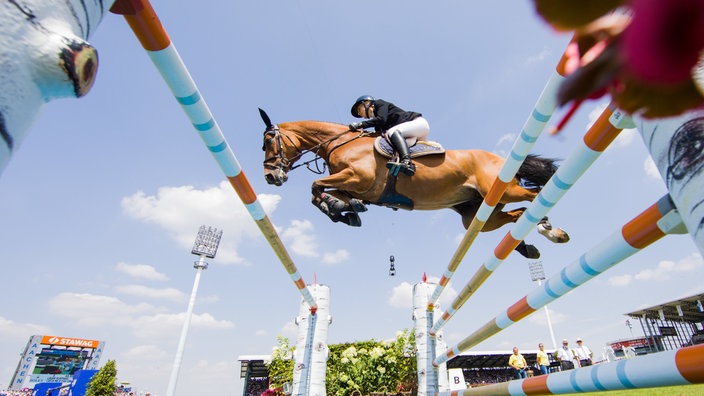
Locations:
(396, 138)
(410, 131)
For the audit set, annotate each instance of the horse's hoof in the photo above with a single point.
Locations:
(544, 224)
(335, 205)
(528, 251)
(357, 205)
(351, 219)
(559, 236)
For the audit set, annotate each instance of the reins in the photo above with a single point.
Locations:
(315, 149)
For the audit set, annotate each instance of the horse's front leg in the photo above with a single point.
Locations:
(335, 204)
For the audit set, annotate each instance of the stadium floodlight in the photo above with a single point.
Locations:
(207, 242)
(206, 245)
(537, 273)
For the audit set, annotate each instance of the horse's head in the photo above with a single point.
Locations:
(276, 163)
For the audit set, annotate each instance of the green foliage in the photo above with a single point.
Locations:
(103, 382)
(281, 365)
(366, 366)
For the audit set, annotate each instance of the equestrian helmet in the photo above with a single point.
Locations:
(357, 102)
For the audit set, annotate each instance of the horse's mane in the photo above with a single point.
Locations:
(313, 125)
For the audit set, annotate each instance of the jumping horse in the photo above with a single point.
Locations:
(455, 179)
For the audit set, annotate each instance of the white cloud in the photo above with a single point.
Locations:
(180, 211)
(160, 325)
(506, 138)
(141, 271)
(13, 330)
(336, 257)
(541, 56)
(169, 293)
(665, 269)
(289, 330)
(651, 170)
(620, 280)
(95, 310)
(145, 320)
(402, 295)
(539, 317)
(146, 353)
(300, 239)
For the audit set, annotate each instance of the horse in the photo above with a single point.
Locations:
(455, 179)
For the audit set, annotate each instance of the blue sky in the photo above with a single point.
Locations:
(101, 204)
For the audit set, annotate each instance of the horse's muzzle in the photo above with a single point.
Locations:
(276, 177)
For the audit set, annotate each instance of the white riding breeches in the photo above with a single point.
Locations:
(412, 131)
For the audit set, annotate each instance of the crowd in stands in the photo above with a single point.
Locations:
(19, 392)
(257, 386)
(483, 376)
(62, 392)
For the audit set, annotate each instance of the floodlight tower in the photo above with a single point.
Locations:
(537, 273)
(206, 245)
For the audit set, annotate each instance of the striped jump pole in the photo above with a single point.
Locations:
(606, 128)
(533, 127)
(151, 34)
(652, 224)
(669, 368)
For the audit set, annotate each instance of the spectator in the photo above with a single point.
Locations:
(565, 356)
(583, 354)
(518, 362)
(542, 359)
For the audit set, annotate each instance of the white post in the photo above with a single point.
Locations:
(547, 316)
(200, 265)
(311, 355)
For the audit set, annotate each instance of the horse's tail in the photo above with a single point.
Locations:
(536, 171)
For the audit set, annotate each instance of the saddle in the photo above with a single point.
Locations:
(390, 197)
(421, 148)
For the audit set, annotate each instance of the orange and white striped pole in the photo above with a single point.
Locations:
(151, 34)
(533, 127)
(669, 368)
(606, 128)
(655, 222)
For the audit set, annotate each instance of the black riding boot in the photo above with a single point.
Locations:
(404, 155)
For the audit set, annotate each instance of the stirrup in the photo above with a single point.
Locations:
(405, 165)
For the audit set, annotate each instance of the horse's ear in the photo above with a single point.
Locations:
(265, 118)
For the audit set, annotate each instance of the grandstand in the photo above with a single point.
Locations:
(666, 326)
(673, 324)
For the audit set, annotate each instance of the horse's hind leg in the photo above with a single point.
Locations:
(516, 193)
(497, 219)
(557, 235)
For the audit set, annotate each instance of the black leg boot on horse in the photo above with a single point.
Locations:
(404, 164)
(339, 210)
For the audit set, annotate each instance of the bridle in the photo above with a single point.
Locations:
(273, 132)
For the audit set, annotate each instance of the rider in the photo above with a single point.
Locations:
(403, 128)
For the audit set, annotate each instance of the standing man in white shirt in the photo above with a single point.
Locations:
(565, 356)
(583, 354)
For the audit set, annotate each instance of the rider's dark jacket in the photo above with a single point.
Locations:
(387, 115)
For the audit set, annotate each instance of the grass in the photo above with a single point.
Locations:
(681, 390)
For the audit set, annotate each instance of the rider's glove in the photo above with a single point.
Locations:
(355, 126)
